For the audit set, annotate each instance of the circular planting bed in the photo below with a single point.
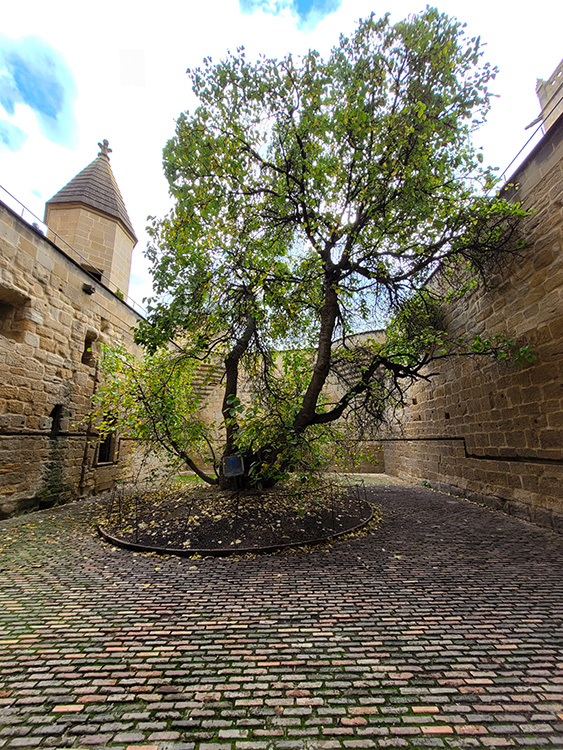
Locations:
(208, 521)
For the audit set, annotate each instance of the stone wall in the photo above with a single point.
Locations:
(53, 316)
(100, 239)
(493, 432)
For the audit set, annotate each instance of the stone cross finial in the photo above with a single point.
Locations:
(105, 150)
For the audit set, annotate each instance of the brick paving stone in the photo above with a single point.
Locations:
(233, 734)
(71, 708)
(96, 739)
(129, 737)
(437, 730)
(470, 729)
(164, 736)
(439, 630)
(26, 742)
(495, 742)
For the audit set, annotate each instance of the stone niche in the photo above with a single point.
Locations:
(14, 307)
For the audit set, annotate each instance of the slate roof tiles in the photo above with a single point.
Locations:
(95, 187)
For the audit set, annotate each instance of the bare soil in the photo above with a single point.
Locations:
(200, 519)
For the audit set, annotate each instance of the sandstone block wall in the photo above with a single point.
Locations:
(493, 432)
(50, 329)
(490, 431)
(100, 239)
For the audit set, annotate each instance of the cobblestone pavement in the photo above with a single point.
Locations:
(442, 629)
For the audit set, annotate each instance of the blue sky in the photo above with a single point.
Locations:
(308, 12)
(70, 79)
(35, 75)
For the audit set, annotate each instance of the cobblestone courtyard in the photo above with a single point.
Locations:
(442, 629)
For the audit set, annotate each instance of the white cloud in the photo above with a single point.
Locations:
(34, 75)
(308, 13)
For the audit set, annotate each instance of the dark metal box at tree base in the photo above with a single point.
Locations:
(233, 466)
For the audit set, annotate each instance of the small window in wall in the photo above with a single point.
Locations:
(91, 347)
(56, 421)
(108, 448)
(12, 306)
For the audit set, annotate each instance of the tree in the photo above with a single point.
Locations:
(313, 199)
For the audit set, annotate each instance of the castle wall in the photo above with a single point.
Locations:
(50, 329)
(490, 431)
(493, 432)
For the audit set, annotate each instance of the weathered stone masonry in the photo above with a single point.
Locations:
(53, 316)
(493, 432)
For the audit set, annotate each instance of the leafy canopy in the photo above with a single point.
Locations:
(312, 199)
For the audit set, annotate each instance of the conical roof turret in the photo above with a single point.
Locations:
(95, 187)
(89, 216)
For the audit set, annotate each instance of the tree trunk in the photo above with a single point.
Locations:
(231, 384)
(329, 313)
